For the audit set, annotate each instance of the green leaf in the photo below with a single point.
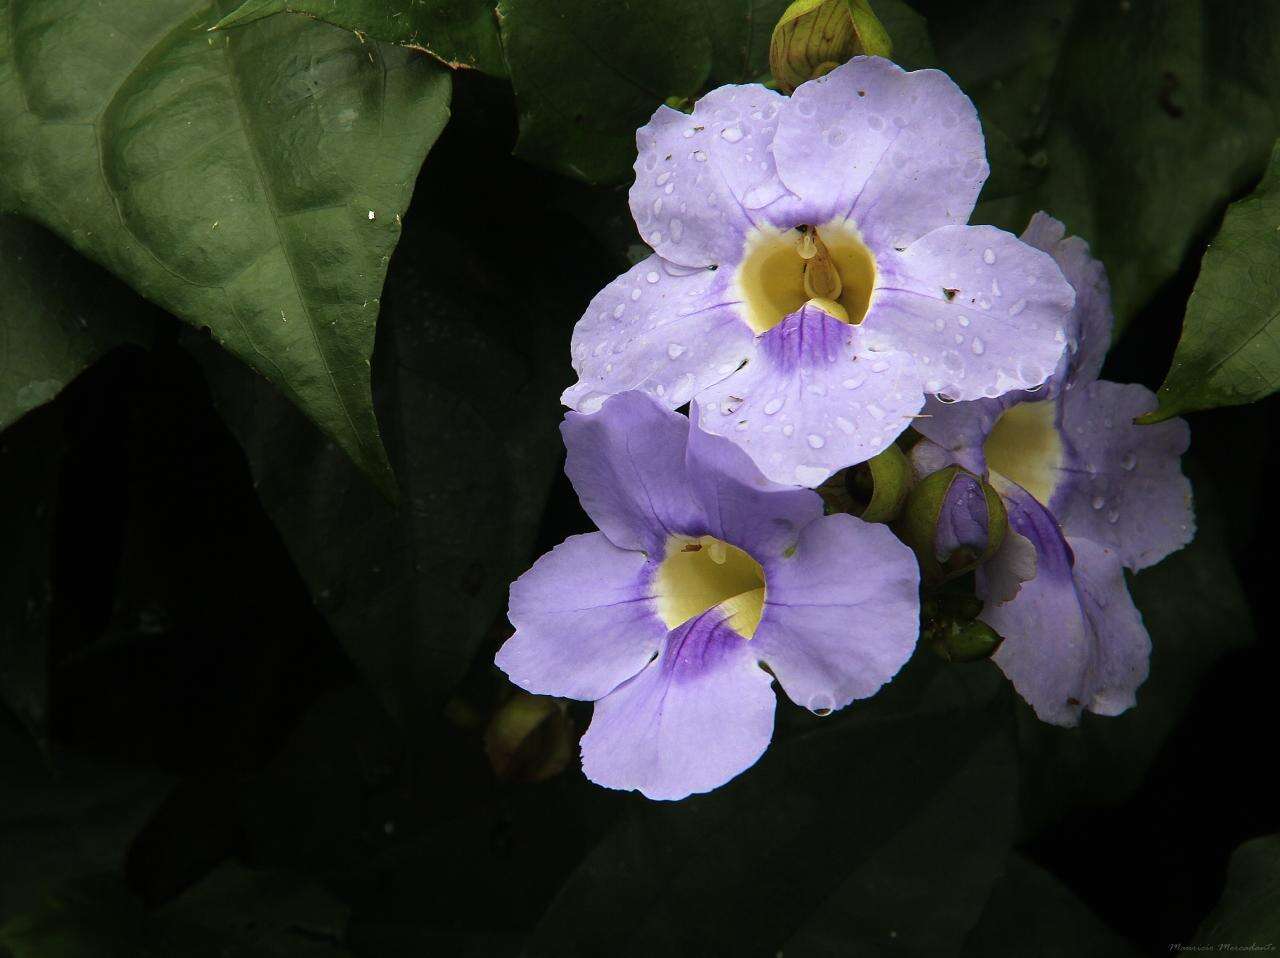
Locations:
(1229, 353)
(471, 359)
(809, 851)
(1146, 116)
(30, 457)
(250, 182)
(589, 73)
(58, 314)
(1249, 912)
(1031, 912)
(460, 33)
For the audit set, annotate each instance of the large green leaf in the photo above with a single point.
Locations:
(58, 314)
(588, 73)
(881, 829)
(1249, 912)
(251, 182)
(472, 356)
(1145, 116)
(462, 33)
(1229, 353)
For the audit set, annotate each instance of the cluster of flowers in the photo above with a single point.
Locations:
(814, 292)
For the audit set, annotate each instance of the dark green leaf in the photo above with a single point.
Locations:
(881, 829)
(1146, 114)
(1032, 913)
(1249, 912)
(58, 314)
(589, 73)
(250, 181)
(461, 33)
(1229, 353)
(30, 456)
(470, 363)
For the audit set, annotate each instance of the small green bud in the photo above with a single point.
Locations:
(954, 521)
(813, 37)
(530, 738)
(874, 490)
(949, 625)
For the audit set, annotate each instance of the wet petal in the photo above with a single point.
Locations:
(698, 715)
(979, 310)
(813, 400)
(1073, 640)
(899, 153)
(627, 464)
(584, 620)
(841, 615)
(742, 506)
(1123, 485)
(703, 179)
(666, 330)
(1090, 329)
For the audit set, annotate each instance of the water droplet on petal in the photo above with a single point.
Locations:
(652, 276)
(773, 405)
(816, 441)
(675, 350)
(988, 256)
(977, 346)
(1098, 502)
(731, 133)
(1128, 462)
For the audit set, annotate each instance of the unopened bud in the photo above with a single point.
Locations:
(530, 738)
(954, 521)
(874, 490)
(813, 37)
(949, 625)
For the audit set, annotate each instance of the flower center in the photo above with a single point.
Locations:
(699, 574)
(1024, 446)
(784, 269)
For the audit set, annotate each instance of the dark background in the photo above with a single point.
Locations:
(261, 737)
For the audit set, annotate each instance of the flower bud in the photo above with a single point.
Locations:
(954, 521)
(950, 626)
(814, 37)
(530, 738)
(874, 490)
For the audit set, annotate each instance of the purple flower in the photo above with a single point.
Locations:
(703, 573)
(1088, 492)
(819, 240)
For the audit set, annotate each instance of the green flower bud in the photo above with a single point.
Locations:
(530, 738)
(814, 37)
(954, 521)
(949, 625)
(874, 490)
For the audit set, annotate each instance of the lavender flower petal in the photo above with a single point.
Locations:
(1073, 640)
(742, 506)
(627, 464)
(981, 312)
(698, 715)
(702, 179)
(1124, 486)
(813, 400)
(899, 153)
(842, 614)
(584, 620)
(666, 330)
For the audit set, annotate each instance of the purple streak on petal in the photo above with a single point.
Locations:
(742, 506)
(981, 312)
(693, 719)
(1123, 486)
(813, 400)
(1090, 329)
(962, 520)
(627, 465)
(899, 153)
(1072, 638)
(584, 620)
(663, 329)
(841, 615)
(702, 180)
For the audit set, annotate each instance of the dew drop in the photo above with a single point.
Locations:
(677, 230)
(1128, 462)
(977, 346)
(700, 156)
(652, 276)
(788, 429)
(988, 256)
(731, 134)
(675, 350)
(773, 405)
(816, 441)
(1098, 502)
(1113, 516)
